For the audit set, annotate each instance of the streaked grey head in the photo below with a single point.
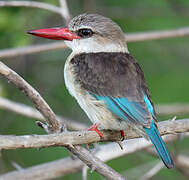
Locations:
(98, 34)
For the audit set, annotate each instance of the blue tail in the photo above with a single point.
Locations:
(158, 143)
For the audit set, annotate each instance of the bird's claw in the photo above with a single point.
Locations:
(94, 127)
(122, 135)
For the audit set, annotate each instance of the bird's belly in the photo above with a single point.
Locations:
(95, 109)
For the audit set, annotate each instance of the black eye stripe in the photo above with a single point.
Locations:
(85, 33)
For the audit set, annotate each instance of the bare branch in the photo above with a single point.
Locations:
(153, 171)
(95, 163)
(34, 96)
(54, 125)
(48, 170)
(32, 4)
(184, 159)
(17, 166)
(65, 11)
(178, 108)
(145, 36)
(182, 164)
(131, 37)
(84, 172)
(33, 113)
(83, 137)
(28, 111)
(12, 52)
(105, 152)
(112, 150)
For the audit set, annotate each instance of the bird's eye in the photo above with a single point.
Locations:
(85, 33)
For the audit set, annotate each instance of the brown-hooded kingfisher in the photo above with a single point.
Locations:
(106, 80)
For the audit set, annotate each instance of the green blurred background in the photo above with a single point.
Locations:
(164, 62)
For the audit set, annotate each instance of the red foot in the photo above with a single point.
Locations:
(94, 127)
(122, 134)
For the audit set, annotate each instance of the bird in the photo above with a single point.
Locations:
(106, 80)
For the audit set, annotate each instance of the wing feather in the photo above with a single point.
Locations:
(117, 79)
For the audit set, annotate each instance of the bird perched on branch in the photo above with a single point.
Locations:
(106, 80)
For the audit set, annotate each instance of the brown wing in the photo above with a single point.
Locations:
(110, 74)
(113, 75)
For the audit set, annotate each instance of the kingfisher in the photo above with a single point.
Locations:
(106, 80)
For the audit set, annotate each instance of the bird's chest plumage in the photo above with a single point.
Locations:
(95, 109)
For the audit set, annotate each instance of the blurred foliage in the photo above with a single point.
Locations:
(165, 63)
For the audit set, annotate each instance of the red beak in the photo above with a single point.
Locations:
(55, 33)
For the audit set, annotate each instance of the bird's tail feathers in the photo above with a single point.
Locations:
(159, 145)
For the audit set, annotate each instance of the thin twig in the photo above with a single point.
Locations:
(44, 171)
(28, 111)
(34, 96)
(65, 11)
(182, 164)
(184, 159)
(145, 36)
(84, 172)
(153, 171)
(95, 163)
(105, 152)
(181, 161)
(178, 108)
(131, 37)
(83, 137)
(32, 4)
(12, 52)
(17, 166)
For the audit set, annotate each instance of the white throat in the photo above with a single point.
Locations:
(91, 46)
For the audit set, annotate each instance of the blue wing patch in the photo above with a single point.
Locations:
(128, 110)
(149, 105)
(137, 113)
